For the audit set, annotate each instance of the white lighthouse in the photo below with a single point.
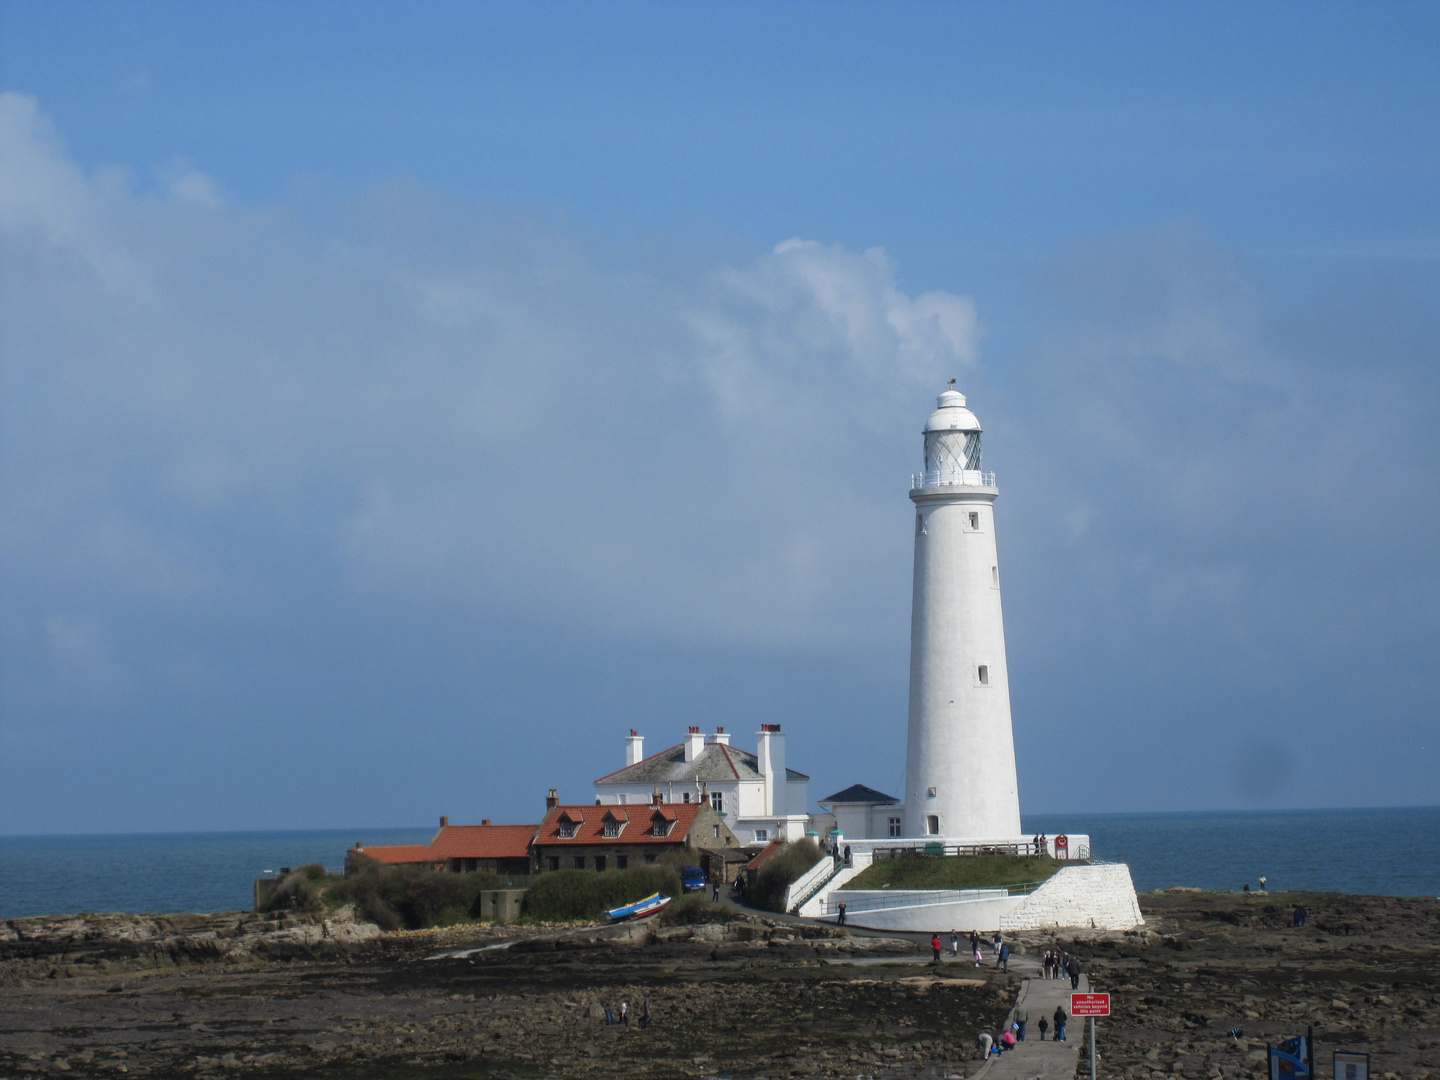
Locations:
(960, 763)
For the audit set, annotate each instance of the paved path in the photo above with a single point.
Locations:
(1032, 1058)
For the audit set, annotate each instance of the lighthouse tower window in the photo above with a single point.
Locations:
(995, 576)
(932, 824)
(984, 675)
(974, 521)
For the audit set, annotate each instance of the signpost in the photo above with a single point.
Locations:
(1091, 1005)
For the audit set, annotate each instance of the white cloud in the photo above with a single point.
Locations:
(465, 408)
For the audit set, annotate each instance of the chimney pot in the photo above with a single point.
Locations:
(552, 800)
(484, 821)
(444, 821)
(634, 732)
(694, 731)
(720, 731)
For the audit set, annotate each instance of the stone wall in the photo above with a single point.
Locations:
(1101, 896)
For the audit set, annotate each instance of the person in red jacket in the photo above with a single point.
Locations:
(935, 947)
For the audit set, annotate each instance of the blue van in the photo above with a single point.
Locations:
(692, 878)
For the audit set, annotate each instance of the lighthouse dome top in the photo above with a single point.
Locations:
(951, 414)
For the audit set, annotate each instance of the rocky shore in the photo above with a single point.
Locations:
(217, 995)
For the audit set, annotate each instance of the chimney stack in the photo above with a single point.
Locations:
(634, 747)
(657, 799)
(552, 800)
(444, 821)
(694, 744)
(722, 738)
(484, 821)
(770, 755)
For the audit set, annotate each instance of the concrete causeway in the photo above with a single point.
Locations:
(1032, 1058)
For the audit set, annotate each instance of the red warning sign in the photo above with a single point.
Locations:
(1089, 1004)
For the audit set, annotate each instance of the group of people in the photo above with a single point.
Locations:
(1016, 1032)
(999, 948)
(1061, 965)
(621, 1016)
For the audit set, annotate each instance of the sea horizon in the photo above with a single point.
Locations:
(1392, 851)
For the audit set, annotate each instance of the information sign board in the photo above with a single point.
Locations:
(1089, 1004)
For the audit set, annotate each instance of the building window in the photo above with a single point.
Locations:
(579, 862)
(622, 862)
(974, 521)
(929, 792)
(995, 576)
(554, 862)
(599, 862)
(894, 826)
(762, 836)
(649, 858)
(567, 830)
(983, 673)
(932, 824)
(919, 524)
(684, 796)
(612, 827)
(716, 830)
(660, 827)
(717, 801)
(622, 798)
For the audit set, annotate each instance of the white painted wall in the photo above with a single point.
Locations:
(1101, 896)
(961, 745)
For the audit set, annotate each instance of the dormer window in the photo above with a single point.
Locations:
(567, 828)
(612, 827)
(660, 825)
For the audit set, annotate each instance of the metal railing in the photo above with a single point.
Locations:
(957, 478)
(938, 850)
(899, 898)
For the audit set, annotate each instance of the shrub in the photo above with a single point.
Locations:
(297, 891)
(780, 870)
(413, 897)
(692, 909)
(583, 894)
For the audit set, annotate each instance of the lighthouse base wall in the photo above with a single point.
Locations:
(1100, 897)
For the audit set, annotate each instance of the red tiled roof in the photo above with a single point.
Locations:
(483, 842)
(396, 854)
(754, 863)
(637, 831)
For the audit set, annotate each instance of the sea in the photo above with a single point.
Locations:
(1387, 852)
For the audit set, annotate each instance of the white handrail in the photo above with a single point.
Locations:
(803, 887)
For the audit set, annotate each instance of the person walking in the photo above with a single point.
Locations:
(1042, 1024)
(954, 943)
(715, 893)
(645, 1013)
(1002, 958)
(1022, 1014)
(625, 1013)
(1074, 973)
(1060, 1017)
(995, 942)
(935, 947)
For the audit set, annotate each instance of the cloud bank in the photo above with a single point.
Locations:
(410, 428)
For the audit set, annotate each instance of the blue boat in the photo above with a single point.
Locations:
(638, 910)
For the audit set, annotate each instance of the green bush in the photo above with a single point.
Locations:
(563, 895)
(692, 909)
(780, 870)
(297, 891)
(413, 897)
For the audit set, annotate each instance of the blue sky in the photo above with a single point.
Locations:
(402, 402)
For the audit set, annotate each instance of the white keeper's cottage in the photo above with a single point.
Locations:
(761, 799)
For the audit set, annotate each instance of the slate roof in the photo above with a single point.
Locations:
(714, 763)
(859, 793)
(638, 820)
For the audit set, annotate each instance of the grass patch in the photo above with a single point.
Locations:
(960, 872)
(412, 897)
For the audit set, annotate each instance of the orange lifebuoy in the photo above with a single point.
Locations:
(1062, 842)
